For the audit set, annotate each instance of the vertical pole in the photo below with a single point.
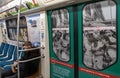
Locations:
(18, 19)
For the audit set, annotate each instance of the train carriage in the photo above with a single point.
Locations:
(75, 38)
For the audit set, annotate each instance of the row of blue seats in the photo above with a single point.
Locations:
(8, 54)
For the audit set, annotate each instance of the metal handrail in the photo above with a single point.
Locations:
(42, 56)
(31, 49)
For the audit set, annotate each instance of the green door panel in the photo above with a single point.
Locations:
(98, 39)
(60, 23)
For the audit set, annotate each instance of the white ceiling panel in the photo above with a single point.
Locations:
(4, 2)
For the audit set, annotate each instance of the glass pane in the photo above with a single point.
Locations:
(60, 34)
(23, 34)
(12, 29)
(99, 35)
(11, 23)
(12, 34)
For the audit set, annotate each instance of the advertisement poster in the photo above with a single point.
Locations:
(99, 35)
(33, 23)
(99, 48)
(61, 55)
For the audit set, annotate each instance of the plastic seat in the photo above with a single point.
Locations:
(21, 53)
(2, 47)
(5, 50)
(3, 63)
(14, 58)
(9, 53)
(7, 67)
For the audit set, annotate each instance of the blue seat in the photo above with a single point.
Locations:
(3, 63)
(15, 54)
(7, 67)
(21, 53)
(9, 53)
(5, 50)
(2, 47)
(14, 58)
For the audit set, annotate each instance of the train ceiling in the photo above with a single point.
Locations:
(10, 7)
(4, 2)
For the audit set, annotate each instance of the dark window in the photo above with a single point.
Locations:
(12, 29)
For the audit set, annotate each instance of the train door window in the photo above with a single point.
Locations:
(99, 35)
(12, 29)
(60, 34)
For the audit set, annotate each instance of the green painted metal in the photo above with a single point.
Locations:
(84, 72)
(59, 70)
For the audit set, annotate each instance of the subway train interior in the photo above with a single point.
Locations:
(59, 38)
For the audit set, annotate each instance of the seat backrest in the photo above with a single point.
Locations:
(5, 50)
(7, 67)
(10, 51)
(15, 54)
(21, 53)
(2, 47)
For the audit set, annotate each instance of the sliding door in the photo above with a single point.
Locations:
(61, 43)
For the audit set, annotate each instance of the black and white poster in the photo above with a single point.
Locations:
(99, 35)
(60, 34)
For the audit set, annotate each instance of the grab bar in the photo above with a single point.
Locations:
(42, 56)
(31, 49)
